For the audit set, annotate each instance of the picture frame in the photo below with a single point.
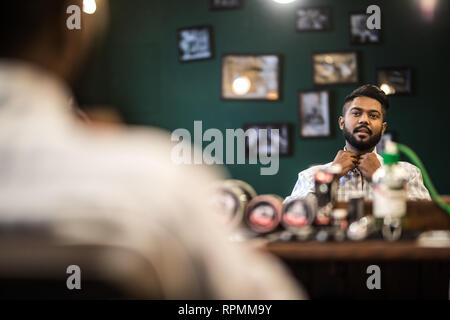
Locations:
(314, 114)
(335, 68)
(358, 31)
(195, 43)
(251, 77)
(313, 19)
(225, 4)
(394, 80)
(254, 145)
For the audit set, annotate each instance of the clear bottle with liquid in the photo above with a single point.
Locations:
(389, 194)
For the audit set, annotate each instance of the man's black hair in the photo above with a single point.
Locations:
(369, 91)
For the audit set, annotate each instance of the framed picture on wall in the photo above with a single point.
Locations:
(314, 114)
(359, 33)
(335, 68)
(313, 19)
(195, 43)
(225, 4)
(259, 143)
(395, 80)
(251, 77)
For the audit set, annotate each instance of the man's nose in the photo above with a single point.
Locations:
(363, 118)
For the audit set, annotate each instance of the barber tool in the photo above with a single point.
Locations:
(355, 209)
(340, 224)
(389, 194)
(325, 181)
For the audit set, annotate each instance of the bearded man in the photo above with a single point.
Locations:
(362, 123)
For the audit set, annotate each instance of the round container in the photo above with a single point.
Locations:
(263, 213)
(249, 192)
(297, 214)
(230, 198)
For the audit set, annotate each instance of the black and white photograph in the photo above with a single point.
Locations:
(313, 19)
(394, 80)
(257, 143)
(335, 68)
(314, 114)
(225, 4)
(251, 77)
(195, 43)
(359, 33)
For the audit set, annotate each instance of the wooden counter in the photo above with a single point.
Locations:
(357, 251)
(338, 270)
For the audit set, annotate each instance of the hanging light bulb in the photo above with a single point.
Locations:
(89, 6)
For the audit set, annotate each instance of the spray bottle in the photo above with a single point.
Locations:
(389, 194)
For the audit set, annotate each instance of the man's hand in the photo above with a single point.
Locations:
(368, 164)
(347, 160)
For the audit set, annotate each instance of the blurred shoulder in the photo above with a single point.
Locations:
(135, 158)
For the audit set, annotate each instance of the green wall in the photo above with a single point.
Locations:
(136, 70)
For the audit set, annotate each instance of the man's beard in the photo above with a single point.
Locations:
(362, 145)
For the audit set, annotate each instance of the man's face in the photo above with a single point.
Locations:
(362, 123)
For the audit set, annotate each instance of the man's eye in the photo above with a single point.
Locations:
(374, 116)
(356, 114)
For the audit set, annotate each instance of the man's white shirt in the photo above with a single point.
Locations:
(353, 183)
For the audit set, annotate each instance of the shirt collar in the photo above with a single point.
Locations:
(380, 158)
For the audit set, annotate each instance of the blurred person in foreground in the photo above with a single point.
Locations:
(54, 169)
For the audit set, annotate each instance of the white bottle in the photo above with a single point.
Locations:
(389, 193)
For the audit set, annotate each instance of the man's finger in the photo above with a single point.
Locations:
(349, 154)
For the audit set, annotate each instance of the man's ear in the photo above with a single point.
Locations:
(383, 129)
(341, 122)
